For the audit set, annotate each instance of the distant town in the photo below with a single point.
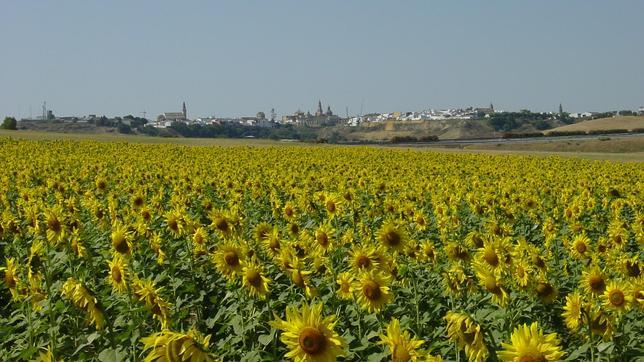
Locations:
(320, 118)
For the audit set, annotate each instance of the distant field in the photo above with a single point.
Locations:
(115, 137)
(622, 122)
(631, 148)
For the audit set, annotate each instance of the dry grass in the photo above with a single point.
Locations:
(621, 122)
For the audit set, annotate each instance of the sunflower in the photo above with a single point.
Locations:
(324, 236)
(223, 222)
(392, 236)
(546, 291)
(11, 276)
(593, 281)
(344, 281)
(580, 246)
(428, 251)
(288, 211)
(402, 346)
(573, 311)
(467, 334)
(491, 282)
(175, 223)
(254, 280)
(528, 343)
(76, 292)
(118, 273)
(332, 203)
(372, 290)
(76, 245)
(55, 226)
(272, 243)
(617, 297)
(363, 258)
(601, 324)
(229, 258)
(175, 346)
(309, 336)
(522, 272)
(262, 231)
(120, 239)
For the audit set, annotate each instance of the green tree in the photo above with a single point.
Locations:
(10, 123)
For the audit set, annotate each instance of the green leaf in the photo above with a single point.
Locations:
(111, 355)
(265, 339)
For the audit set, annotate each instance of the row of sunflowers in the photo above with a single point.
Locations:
(117, 251)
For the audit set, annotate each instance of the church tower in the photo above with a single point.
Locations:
(319, 112)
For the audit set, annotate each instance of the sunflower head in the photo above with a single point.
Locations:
(254, 280)
(617, 297)
(528, 343)
(344, 281)
(229, 258)
(118, 273)
(120, 239)
(392, 236)
(593, 281)
(401, 345)
(175, 346)
(372, 290)
(308, 335)
(573, 311)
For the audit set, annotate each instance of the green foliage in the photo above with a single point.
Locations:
(10, 123)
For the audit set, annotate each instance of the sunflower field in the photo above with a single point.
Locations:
(129, 252)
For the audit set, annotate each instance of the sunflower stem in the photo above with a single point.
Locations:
(52, 334)
(590, 338)
(419, 330)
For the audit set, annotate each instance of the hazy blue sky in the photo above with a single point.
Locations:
(240, 57)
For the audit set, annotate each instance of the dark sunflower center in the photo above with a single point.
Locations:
(633, 269)
(581, 247)
(312, 341)
(363, 261)
(54, 225)
(138, 201)
(231, 258)
(532, 358)
(116, 274)
(294, 228)
(597, 284)
(221, 224)
(617, 298)
(173, 225)
(371, 290)
(274, 244)
(288, 211)
(491, 257)
(120, 244)
(545, 290)
(492, 287)
(9, 279)
(323, 239)
(330, 206)
(392, 238)
(254, 278)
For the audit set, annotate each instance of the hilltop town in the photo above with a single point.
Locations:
(325, 125)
